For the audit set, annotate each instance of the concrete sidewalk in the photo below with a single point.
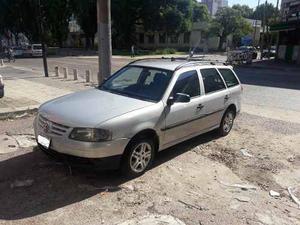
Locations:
(28, 92)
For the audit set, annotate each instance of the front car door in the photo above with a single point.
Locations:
(183, 119)
(216, 97)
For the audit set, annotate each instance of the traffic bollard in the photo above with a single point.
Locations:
(75, 74)
(88, 76)
(65, 69)
(56, 71)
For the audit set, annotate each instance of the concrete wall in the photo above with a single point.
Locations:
(282, 53)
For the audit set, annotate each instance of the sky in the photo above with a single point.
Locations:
(250, 3)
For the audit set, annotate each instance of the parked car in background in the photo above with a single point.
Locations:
(1, 87)
(267, 54)
(34, 50)
(249, 49)
(145, 107)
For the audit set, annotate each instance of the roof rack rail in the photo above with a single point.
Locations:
(197, 62)
(188, 61)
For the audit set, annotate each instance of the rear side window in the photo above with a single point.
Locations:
(188, 83)
(212, 80)
(229, 77)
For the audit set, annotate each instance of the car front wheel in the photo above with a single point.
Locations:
(227, 122)
(138, 157)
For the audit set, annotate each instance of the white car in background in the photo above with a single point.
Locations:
(34, 50)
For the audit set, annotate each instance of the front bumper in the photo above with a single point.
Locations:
(62, 144)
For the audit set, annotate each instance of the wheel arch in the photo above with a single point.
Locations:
(232, 107)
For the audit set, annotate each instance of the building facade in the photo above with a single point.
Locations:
(214, 5)
(288, 31)
(190, 40)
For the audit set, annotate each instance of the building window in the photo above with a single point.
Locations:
(174, 39)
(141, 38)
(151, 38)
(162, 38)
(186, 38)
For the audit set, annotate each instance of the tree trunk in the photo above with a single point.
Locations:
(221, 42)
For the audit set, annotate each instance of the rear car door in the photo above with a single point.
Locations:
(216, 97)
(183, 119)
(233, 85)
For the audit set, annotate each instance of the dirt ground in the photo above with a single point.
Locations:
(206, 180)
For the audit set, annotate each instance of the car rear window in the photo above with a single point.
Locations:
(229, 77)
(212, 80)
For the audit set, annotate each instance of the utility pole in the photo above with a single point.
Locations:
(255, 27)
(42, 36)
(104, 39)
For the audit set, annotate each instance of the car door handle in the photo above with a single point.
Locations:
(200, 106)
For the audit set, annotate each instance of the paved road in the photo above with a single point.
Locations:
(267, 90)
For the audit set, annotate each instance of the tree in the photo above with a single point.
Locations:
(265, 12)
(86, 15)
(125, 18)
(229, 21)
(25, 16)
(57, 15)
(200, 12)
(168, 16)
(245, 10)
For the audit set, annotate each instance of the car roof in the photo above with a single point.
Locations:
(158, 63)
(171, 64)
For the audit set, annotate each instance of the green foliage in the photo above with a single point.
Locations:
(200, 12)
(125, 16)
(245, 10)
(57, 16)
(85, 12)
(27, 16)
(265, 12)
(229, 21)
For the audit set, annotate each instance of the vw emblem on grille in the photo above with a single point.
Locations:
(46, 127)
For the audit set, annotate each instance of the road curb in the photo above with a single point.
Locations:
(18, 112)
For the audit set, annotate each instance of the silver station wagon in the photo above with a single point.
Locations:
(145, 107)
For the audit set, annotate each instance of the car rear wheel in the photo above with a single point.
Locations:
(138, 157)
(227, 122)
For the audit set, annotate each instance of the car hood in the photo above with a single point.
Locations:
(89, 108)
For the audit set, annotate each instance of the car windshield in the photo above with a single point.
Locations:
(139, 82)
(37, 47)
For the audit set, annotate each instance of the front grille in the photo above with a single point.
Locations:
(51, 127)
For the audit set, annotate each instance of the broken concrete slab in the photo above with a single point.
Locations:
(154, 220)
(25, 141)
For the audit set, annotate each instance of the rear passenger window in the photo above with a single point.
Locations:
(187, 83)
(229, 77)
(212, 80)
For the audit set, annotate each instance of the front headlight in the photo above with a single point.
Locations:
(90, 134)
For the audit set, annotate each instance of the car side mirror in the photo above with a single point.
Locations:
(179, 97)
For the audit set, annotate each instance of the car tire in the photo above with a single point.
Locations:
(138, 157)
(227, 122)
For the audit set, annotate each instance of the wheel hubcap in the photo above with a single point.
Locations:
(140, 157)
(228, 122)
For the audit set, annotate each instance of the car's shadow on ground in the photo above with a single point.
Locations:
(54, 187)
